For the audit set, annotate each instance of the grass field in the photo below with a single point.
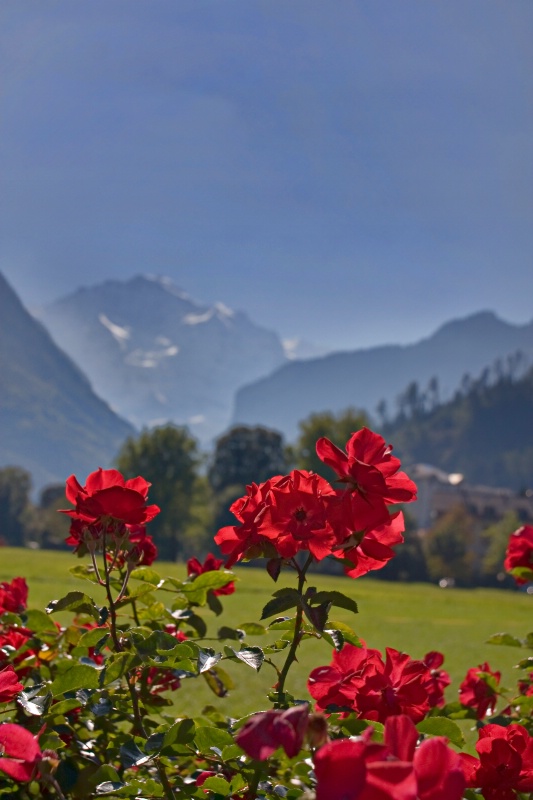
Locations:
(414, 618)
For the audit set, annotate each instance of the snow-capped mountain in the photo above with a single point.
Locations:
(156, 355)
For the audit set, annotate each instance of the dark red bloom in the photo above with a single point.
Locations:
(13, 596)
(9, 684)
(144, 551)
(19, 752)
(505, 764)
(519, 555)
(438, 679)
(358, 679)
(211, 564)
(367, 467)
(478, 690)
(263, 733)
(165, 680)
(108, 497)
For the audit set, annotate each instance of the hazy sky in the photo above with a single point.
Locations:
(353, 173)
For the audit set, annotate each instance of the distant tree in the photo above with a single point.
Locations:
(336, 427)
(433, 393)
(409, 563)
(51, 528)
(168, 457)
(244, 455)
(450, 547)
(15, 507)
(382, 412)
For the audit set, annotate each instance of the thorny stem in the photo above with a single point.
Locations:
(291, 655)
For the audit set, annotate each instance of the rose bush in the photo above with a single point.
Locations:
(85, 705)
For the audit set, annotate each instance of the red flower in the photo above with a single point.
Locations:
(211, 564)
(369, 468)
(13, 596)
(505, 763)
(263, 733)
(108, 497)
(438, 679)
(9, 684)
(165, 680)
(144, 550)
(358, 679)
(478, 690)
(372, 549)
(20, 752)
(519, 555)
(357, 769)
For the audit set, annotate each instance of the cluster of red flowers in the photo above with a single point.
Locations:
(211, 564)
(13, 596)
(519, 555)
(302, 511)
(359, 769)
(109, 505)
(359, 680)
(479, 690)
(505, 763)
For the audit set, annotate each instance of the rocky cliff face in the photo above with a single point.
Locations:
(51, 420)
(155, 355)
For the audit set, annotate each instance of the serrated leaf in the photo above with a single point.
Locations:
(217, 785)
(207, 737)
(36, 706)
(337, 599)
(504, 639)
(283, 600)
(109, 787)
(146, 574)
(317, 615)
(348, 634)
(79, 676)
(335, 638)
(181, 732)
(274, 568)
(276, 647)
(198, 624)
(282, 624)
(94, 637)
(230, 633)
(117, 666)
(84, 572)
(207, 659)
(78, 602)
(442, 726)
(214, 603)
(252, 656)
(132, 756)
(39, 622)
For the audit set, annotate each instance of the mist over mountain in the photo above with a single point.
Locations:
(156, 355)
(363, 378)
(51, 421)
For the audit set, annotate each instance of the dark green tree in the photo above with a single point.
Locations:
(15, 507)
(409, 563)
(168, 457)
(495, 539)
(336, 427)
(451, 547)
(242, 456)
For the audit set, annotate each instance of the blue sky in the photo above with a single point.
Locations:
(351, 173)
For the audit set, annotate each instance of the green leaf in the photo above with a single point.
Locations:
(36, 706)
(80, 676)
(230, 633)
(282, 624)
(252, 656)
(335, 638)
(146, 574)
(317, 615)
(276, 647)
(336, 599)
(84, 572)
(504, 639)
(219, 681)
(132, 756)
(78, 602)
(109, 787)
(207, 737)
(442, 726)
(182, 732)
(218, 785)
(117, 666)
(355, 726)
(39, 622)
(349, 635)
(282, 600)
(214, 604)
(207, 658)
(253, 629)
(96, 636)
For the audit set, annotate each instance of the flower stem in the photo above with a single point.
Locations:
(291, 655)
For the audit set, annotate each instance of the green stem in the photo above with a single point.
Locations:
(111, 602)
(291, 655)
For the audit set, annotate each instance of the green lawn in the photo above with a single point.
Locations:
(414, 618)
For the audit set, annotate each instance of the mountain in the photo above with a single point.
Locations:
(52, 422)
(155, 355)
(485, 433)
(363, 378)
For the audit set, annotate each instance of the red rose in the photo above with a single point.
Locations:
(478, 690)
(438, 679)
(368, 467)
(20, 752)
(211, 564)
(505, 763)
(9, 684)
(372, 549)
(519, 555)
(107, 496)
(263, 733)
(13, 596)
